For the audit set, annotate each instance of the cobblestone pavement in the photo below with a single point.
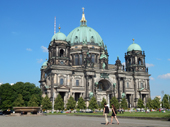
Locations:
(74, 121)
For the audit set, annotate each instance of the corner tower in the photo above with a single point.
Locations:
(135, 58)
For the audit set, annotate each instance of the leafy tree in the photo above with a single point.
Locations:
(71, 103)
(46, 103)
(7, 96)
(165, 103)
(156, 103)
(102, 103)
(81, 103)
(149, 103)
(115, 102)
(59, 104)
(124, 103)
(19, 102)
(140, 103)
(33, 101)
(93, 103)
(27, 90)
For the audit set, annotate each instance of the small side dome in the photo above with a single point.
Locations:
(59, 36)
(134, 46)
(44, 65)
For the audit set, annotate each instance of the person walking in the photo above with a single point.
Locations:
(105, 113)
(114, 112)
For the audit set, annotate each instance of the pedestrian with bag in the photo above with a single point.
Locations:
(105, 113)
(114, 112)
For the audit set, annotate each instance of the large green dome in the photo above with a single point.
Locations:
(84, 34)
(59, 36)
(134, 46)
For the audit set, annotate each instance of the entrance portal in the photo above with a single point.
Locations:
(62, 95)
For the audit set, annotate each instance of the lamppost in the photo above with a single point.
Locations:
(53, 104)
(162, 98)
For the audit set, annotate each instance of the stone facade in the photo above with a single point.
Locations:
(82, 69)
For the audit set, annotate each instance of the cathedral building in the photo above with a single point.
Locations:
(78, 66)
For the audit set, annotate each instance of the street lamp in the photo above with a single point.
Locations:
(162, 98)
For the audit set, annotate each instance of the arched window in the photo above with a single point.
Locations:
(80, 56)
(141, 85)
(61, 81)
(93, 58)
(61, 53)
(127, 85)
(129, 62)
(76, 60)
(139, 61)
(77, 82)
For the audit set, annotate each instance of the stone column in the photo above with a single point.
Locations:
(124, 85)
(52, 86)
(119, 93)
(87, 87)
(57, 51)
(93, 84)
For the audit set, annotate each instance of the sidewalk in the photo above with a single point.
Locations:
(145, 118)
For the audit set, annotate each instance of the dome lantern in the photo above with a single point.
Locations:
(134, 46)
(83, 20)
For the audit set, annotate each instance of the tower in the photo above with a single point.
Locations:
(135, 58)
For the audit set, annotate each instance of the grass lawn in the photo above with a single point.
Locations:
(135, 114)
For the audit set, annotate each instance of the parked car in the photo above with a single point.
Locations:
(1, 112)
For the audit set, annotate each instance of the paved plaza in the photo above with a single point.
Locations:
(74, 121)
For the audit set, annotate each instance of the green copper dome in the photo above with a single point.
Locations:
(59, 36)
(45, 63)
(134, 46)
(83, 34)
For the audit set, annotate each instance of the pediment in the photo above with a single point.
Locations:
(63, 87)
(144, 90)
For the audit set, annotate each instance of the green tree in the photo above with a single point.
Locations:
(19, 102)
(93, 103)
(140, 103)
(165, 103)
(71, 103)
(81, 103)
(27, 90)
(115, 102)
(46, 103)
(124, 103)
(33, 101)
(7, 96)
(59, 104)
(156, 103)
(149, 103)
(102, 103)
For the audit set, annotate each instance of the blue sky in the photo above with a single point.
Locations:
(26, 28)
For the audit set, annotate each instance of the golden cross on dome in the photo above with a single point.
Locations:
(133, 40)
(59, 27)
(83, 9)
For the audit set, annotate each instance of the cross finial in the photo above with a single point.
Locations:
(59, 27)
(83, 9)
(133, 40)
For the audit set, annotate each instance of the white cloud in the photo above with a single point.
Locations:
(12, 84)
(151, 78)
(168, 59)
(124, 64)
(164, 76)
(44, 49)
(39, 60)
(1, 83)
(28, 49)
(149, 65)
